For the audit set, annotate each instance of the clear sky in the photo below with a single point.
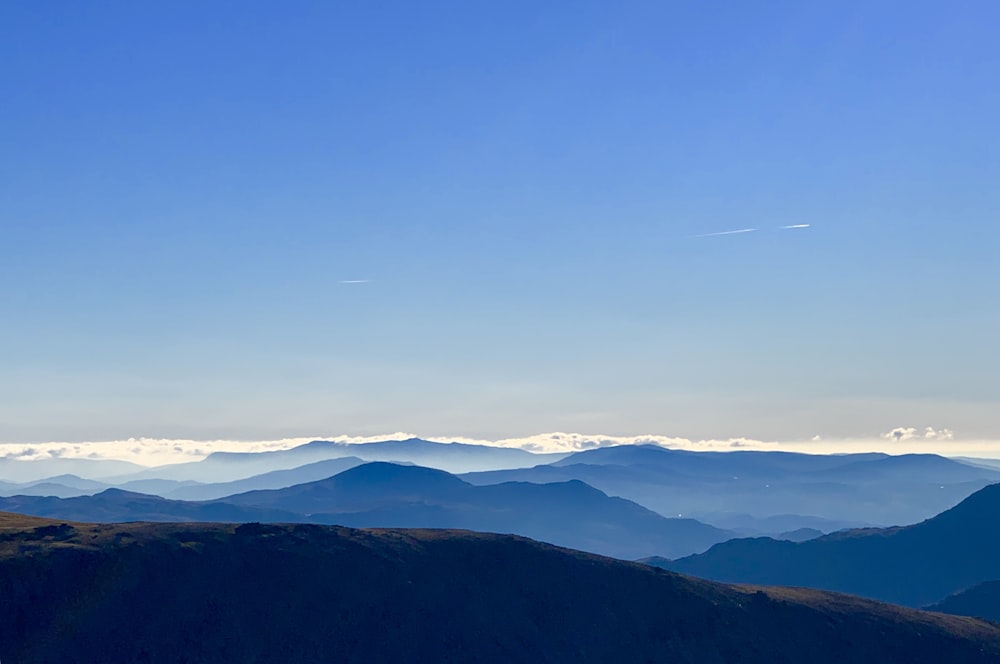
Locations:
(492, 219)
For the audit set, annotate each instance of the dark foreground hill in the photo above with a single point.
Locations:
(304, 593)
(915, 565)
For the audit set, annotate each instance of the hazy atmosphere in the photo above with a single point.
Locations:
(759, 223)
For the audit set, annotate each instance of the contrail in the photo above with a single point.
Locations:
(742, 230)
(355, 281)
(795, 226)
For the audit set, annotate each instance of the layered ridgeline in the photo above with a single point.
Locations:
(913, 565)
(297, 593)
(378, 494)
(229, 466)
(768, 492)
(750, 492)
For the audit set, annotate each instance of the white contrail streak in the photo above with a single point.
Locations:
(742, 230)
(795, 226)
(355, 281)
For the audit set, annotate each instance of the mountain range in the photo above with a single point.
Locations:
(452, 457)
(738, 489)
(748, 492)
(381, 494)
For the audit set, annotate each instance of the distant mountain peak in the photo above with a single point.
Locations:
(382, 472)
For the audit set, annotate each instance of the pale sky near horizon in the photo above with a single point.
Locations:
(256, 221)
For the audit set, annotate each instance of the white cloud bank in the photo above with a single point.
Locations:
(912, 433)
(159, 451)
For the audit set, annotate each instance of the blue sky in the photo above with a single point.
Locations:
(185, 186)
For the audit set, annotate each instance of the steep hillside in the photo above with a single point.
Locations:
(914, 565)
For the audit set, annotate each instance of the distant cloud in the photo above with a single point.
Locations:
(158, 451)
(736, 232)
(575, 442)
(900, 433)
(912, 433)
(23, 453)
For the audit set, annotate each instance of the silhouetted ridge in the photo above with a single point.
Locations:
(379, 474)
(982, 507)
(122, 494)
(620, 454)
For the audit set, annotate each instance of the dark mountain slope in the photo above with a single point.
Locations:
(358, 488)
(202, 593)
(914, 565)
(981, 601)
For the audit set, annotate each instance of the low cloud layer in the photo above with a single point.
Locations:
(159, 451)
